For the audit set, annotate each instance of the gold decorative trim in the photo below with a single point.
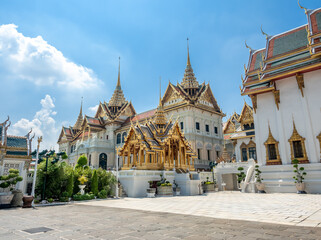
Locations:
(276, 94)
(254, 102)
(300, 80)
(297, 137)
(271, 140)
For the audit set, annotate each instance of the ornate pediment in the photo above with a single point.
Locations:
(246, 115)
(229, 127)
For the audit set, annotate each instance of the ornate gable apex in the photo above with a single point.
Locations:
(229, 127)
(61, 135)
(207, 98)
(246, 114)
(172, 94)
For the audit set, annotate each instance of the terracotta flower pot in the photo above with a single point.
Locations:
(260, 187)
(27, 201)
(301, 188)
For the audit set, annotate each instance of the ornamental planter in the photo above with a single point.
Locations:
(164, 191)
(208, 187)
(81, 187)
(5, 199)
(260, 187)
(177, 191)
(27, 201)
(17, 198)
(301, 188)
(150, 192)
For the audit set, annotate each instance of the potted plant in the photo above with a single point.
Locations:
(208, 186)
(240, 177)
(82, 179)
(176, 189)
(260, 186)
(7, 184)
(299, 173)
(164, 188)
(151, 190)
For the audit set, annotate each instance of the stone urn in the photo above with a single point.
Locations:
(5, 199)
(300, 187)
(151, 192)
(164, 191)
(177, 191)
(209, 187)
(17, 198)
(82, 187)
(27, 201)
(260, 187)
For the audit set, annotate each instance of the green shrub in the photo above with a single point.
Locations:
(82, 161)
(241, 175)
(64, 197)
(102, 194)
(10, 180)
(70, 184)
(258, 174)
(87, 196)
(299, 172)
(94, 183)
(50, 200)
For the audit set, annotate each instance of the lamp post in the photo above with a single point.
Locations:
(35, 171)
(117, 191)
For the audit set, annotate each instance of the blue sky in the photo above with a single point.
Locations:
(58, 51)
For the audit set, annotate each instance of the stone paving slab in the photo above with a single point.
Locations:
(279, 208)
(81, 221)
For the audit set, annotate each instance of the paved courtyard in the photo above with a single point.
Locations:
(292, 209)
(199, 217)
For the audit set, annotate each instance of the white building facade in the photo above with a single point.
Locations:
(284, 83)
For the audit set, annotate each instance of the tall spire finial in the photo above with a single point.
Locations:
(188, 61)
(118, 81)
(160, 90)
(82, 99)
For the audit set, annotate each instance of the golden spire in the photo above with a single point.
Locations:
(188, 61)
(118, 99)
(80, 117)
(118, 81)
(160, 90)
(189, 80)
(160, 119)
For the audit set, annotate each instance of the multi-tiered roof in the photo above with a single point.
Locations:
(291, 53)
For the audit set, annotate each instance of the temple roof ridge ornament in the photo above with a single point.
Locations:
(305, 10)
(264, 33)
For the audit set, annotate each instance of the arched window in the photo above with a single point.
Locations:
(103, 161)
(118, 141)
(123, 138)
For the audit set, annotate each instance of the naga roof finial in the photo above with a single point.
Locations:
(305, 10)
(247, 46)
(264, 33)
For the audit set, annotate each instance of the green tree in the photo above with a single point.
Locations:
(94, 183)
(105, 180)
(70, 184)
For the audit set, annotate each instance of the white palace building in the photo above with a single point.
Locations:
(283, 81)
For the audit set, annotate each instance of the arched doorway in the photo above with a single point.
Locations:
(103, 161)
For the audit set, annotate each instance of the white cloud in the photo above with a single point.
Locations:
(93, 109)
(34, 60)
(43, 124)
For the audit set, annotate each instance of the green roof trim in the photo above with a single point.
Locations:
(291, 58)
(17, 153)
(318, 19)
(258, 60)
(290, 42)
(16, 142)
